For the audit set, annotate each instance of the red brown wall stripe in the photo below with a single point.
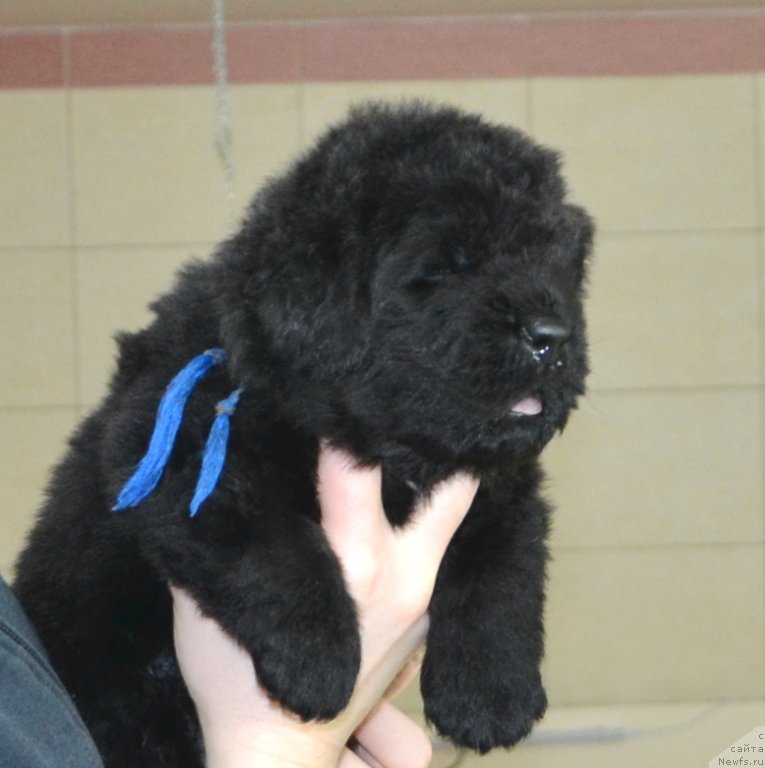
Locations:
(405, 49)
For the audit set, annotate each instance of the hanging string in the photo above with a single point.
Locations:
(224, 132)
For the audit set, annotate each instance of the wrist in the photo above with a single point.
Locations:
(270, 745)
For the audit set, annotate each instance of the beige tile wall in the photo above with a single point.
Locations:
(657, 581)
(35, 193)
(636, 736)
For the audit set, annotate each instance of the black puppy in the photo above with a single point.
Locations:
(410, 290)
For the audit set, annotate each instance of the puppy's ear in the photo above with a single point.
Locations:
(297, 299)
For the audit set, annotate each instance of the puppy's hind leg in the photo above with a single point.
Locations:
(147, 720)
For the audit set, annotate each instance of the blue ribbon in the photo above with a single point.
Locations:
(149, 471)
(214, 456)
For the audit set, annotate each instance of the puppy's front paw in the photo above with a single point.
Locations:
(308, 661)
(486, 711)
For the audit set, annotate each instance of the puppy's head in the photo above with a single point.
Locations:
(415, 278)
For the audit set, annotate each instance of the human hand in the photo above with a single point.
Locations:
(390, 573)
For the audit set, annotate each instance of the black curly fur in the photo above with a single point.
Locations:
(380, 295)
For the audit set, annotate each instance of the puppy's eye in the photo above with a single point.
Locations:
(428, 281)
(439, 273)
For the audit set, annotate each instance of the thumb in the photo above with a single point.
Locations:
(350, 498)
(437, 517)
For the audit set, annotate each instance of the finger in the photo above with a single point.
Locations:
(358, 758)
(206, 653)
(392, 739)
(183, 603)
(437, 517)
(408, 673)
(350, 497)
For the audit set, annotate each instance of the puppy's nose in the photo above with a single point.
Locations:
(545, 335)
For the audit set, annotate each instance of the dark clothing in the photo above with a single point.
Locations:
(39, 724)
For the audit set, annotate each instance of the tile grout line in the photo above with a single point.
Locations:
(37, 407)
(604, 233)
(456, 18)
(132, 247)
(531, 78)
(660, 545)
(760, 201)
(300, 84)
(529, 95)
(73, 268)
(670, 389)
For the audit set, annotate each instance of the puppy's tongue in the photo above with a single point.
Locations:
(529, 406)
